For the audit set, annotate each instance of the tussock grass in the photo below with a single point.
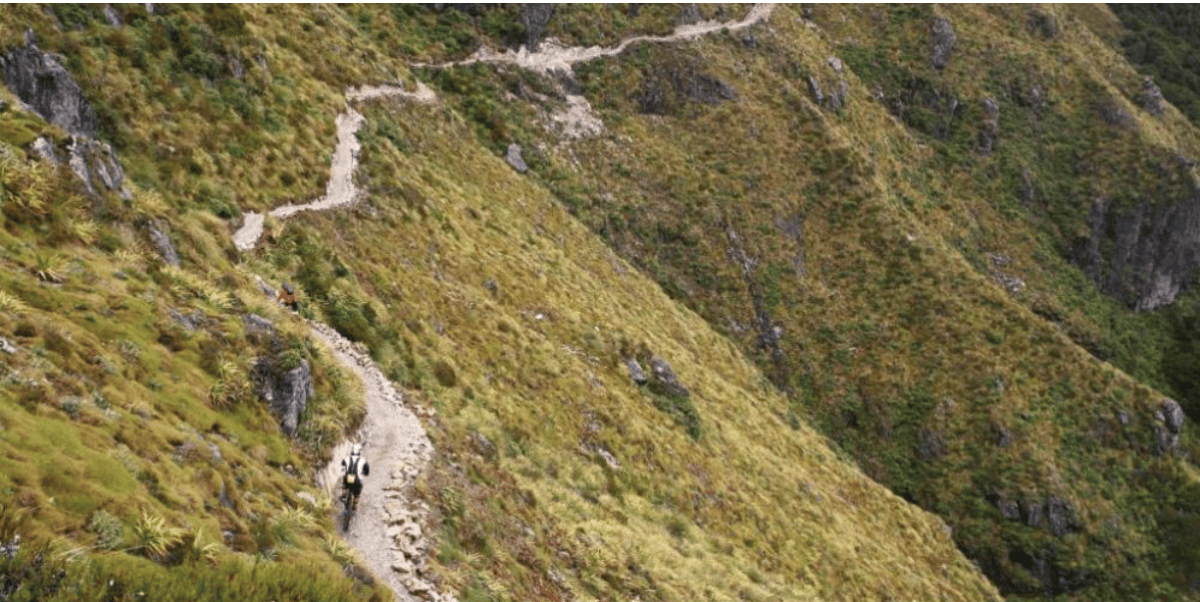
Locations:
(510, 303)
(153, 537)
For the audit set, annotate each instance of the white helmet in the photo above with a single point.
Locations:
(356, 450)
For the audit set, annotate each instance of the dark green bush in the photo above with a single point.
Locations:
(445, 374)
(225, 19)
(75, 16)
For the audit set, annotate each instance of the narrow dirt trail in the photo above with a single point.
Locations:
(552, 56)
(340, 190)
(387, 527)
(577, 119)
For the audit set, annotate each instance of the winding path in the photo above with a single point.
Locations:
(387, 529)
(340, 190)
(552, 56)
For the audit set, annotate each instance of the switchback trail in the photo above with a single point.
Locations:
(340, 190)
(387, 528)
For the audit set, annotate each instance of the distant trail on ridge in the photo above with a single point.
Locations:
(553, 56)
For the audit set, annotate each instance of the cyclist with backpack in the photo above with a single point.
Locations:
(356, 468)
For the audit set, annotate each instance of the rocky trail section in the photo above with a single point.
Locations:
(387, 527)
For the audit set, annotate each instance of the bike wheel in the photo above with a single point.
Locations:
(347, 510)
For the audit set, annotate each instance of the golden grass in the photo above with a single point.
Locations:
(514, 319)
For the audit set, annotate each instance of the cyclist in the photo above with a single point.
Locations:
(356, 467)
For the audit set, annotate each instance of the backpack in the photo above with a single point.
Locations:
(352, 471)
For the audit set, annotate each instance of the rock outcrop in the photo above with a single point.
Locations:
(1053, 514)
(1143, 255)
(1169, 418)
(535, 17)
(636, 372)
(156, 231)
(989, 131)
(1056, 517)
(1151, 97)
(663, 379)
(670, 85)
(95, 163)
(40, 81)
(689, 14)
(833, 93)
(514, 158)
(943, 42)
(287, 392)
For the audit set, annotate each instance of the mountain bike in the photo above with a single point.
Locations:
(347, 497)
(347, 500)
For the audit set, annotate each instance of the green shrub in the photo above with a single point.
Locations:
(108, 530)
(225, 19)
(74, 16)
(681, 409)
(445, 374)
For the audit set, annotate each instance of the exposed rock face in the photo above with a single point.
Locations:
(1155, 250)
(155, 229)
(514, 158)
(258, 326)
(1170, 421)
(635, 371)
(110, 15)
(668, 86)
(266, 289)
(931, 446)
(1114, 112)
(45, 149)
(990, 130)
(97, 166)
(834, 94)
(689, 14)
(95, 163)
(770, 335)
(1052, 514)
(40, 81)
(663, 379)
(1151, 97)
(943, 41)
(189, 322)
(535, 17)
(287, 393)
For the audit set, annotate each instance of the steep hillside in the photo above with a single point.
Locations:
(930, 226)
(137, 329)
(828, 302)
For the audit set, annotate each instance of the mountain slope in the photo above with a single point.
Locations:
(559, 474)
(721, 289)
(900, 212)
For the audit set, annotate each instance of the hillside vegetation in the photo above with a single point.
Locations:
(871, 302)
